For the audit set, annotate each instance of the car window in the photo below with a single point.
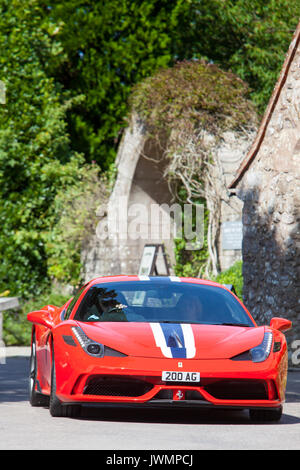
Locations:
(156, 301)
(73, 302)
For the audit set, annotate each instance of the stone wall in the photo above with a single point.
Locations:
(270, 189)
(231, 151)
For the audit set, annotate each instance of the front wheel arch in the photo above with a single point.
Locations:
(36, 398)
(56, 408)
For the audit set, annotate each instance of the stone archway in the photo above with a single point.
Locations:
(129, 221)
(133, 215)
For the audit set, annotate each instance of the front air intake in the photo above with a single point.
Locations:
(228, 389)
(116, 386)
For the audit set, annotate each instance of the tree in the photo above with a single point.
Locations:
(32, 137)
(111, 45)
(250, 37)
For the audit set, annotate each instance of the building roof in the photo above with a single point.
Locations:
(269, 111)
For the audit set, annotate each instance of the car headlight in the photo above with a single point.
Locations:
(90, 346)
(261, 352)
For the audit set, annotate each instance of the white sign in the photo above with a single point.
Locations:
(232, 235)
(147, 260)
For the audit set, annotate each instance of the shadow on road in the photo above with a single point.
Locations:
(185, 417)
(14, 388)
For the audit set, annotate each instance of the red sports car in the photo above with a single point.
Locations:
(157, 342)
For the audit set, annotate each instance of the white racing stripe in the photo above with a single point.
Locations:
(160, 339)
(189, 340)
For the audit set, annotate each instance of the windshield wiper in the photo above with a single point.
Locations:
(232, 324)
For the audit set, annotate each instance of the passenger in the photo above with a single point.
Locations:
(190, 309)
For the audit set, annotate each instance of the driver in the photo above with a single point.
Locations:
(104, 306)
(112, 310)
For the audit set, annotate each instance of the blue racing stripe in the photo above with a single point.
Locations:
(174, 339)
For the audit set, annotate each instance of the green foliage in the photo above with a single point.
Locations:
(33, 136)
(191, 263)
(108, 46)
(234, 276)
(76, 221)
(16, 328)
(251, 37)
(195, 93)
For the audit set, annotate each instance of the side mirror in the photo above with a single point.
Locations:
(280, 324)
(41, 317)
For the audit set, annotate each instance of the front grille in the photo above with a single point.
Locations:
(116, 386)
(226, 389)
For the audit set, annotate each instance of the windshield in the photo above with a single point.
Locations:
(154, 301)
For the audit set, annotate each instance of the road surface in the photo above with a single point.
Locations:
(25, 427)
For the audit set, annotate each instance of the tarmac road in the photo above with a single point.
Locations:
(25, 427)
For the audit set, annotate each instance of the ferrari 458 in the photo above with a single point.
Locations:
(156, 342)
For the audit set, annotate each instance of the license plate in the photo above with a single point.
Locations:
(180, 376)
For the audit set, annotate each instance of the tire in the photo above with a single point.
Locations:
(56, 408)
(263, 416)
(35, 398)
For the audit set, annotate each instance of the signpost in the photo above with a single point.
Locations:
(6, 303)
(154, 261)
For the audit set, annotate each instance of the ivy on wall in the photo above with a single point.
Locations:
(186, 108)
